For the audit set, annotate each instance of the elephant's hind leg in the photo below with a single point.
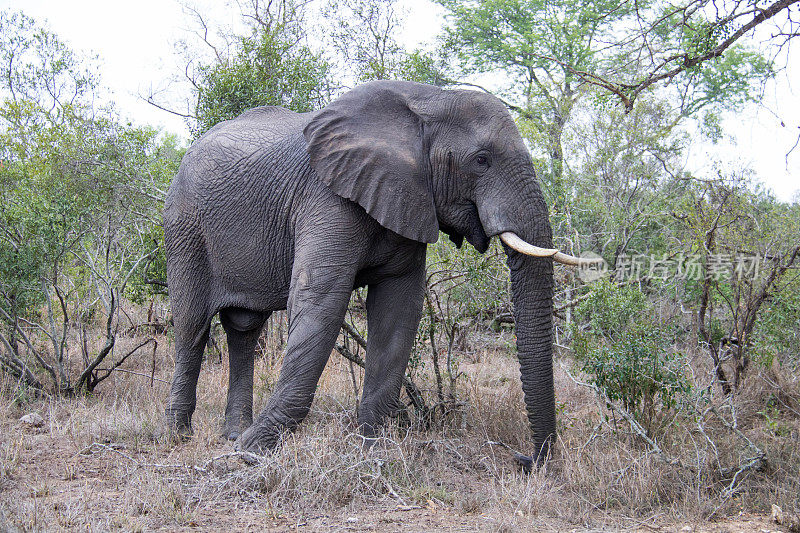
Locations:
(190, 343)
(243, 328)
(188, 279)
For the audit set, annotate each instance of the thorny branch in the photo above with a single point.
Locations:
(205, 469)
(635, 426)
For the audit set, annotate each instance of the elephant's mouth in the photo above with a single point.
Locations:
(479, 240)
(473, 230)
(476, 236)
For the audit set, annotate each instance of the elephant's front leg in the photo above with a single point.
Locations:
(317, 304)
(394, 307)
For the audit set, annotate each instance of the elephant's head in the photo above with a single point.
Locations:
(419, 159)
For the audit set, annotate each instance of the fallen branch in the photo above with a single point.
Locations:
(414, 393)
(350, 330)
(174, 466)
(757, 462)
(148, 376)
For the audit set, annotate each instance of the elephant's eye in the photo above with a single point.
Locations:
(482, 160)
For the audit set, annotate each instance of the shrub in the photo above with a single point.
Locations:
(627, 352)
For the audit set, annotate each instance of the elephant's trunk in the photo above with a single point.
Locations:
(522, 223)
(532, 296)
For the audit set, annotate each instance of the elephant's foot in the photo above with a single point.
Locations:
(370, 433)
(178, 425)
(231, 433)
(537, 461)
(525, 462)
(372, 421)
(256, 441)
(234, 428)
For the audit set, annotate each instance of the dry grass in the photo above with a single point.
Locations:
(103, 463)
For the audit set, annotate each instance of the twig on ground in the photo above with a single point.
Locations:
(205, 469)
(760, 454)
(757, 462)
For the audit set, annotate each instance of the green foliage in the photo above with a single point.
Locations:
(272, 65)
(81, 198)
(627, 353)
(38, 67)
(748, 307)
(525, 35)
(474, 282)
(777, 333)
(618, 169)
(421, 67)
(711, 126)
(465, 291)
(727, 82)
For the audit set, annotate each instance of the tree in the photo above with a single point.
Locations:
(748, 247)
(364, 33)
(272, 64)
(696, 48)
(621, 176)
(519, 39)
(551, 54)
(81, 196)
(626, 349)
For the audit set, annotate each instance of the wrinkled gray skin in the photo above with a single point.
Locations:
(278, 210)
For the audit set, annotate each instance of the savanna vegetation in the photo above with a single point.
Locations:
(678, 363)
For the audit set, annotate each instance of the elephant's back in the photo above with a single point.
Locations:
(237, 188)
(259, 152)
(248, 136)
(272, 121)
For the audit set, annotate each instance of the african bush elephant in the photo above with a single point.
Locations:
(278, 210)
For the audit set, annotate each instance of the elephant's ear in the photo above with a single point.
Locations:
(368, 146)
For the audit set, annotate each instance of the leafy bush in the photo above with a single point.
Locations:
(777, 333)
(626, 350)
(81, 192)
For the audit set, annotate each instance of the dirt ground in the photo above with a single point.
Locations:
(75, 483)
(102, 463)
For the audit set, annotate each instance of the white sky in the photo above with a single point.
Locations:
(136, 44)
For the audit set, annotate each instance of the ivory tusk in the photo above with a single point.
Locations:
(514, 241)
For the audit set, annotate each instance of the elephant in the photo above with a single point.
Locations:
(280, 210)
